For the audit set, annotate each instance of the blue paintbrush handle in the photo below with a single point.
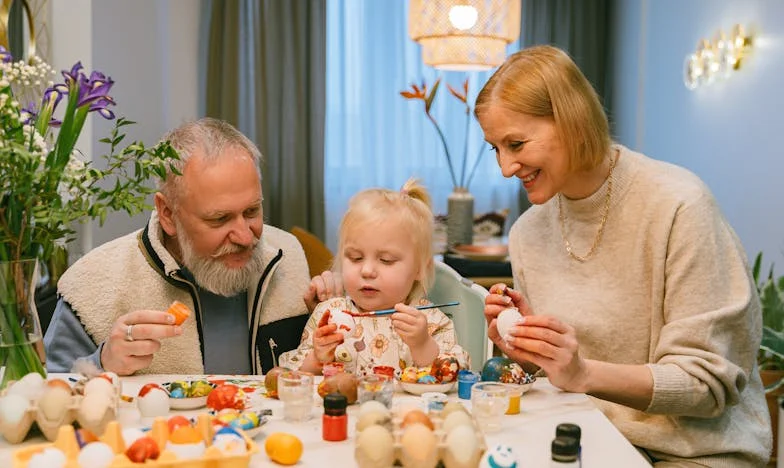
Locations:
(392, 311)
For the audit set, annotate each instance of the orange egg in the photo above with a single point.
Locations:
(417, 416)
(185, 435)
(59, 383)
(177, 421)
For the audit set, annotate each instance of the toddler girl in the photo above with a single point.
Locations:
(385, 258)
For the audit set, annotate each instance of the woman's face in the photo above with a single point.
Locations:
(528, 148)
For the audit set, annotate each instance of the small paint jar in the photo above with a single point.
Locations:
(465, 380)
(434, 401)
(389, 371)
(334, 422)
(515, 393)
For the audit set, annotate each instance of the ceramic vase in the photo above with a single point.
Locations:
(460, 217)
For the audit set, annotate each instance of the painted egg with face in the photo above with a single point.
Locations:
(229, 441)
(343, 320)
(445, 368)
(501, 369)
(500, 456)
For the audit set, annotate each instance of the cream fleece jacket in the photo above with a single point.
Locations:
(137, 272)
(669, 287)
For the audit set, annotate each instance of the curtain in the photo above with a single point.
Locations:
(266, 70)
(375, 137)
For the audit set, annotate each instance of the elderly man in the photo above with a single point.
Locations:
(202, 246)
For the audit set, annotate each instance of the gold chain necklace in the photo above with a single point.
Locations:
(598, 238)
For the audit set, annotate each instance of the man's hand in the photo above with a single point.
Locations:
(135, 338)
(322, 287)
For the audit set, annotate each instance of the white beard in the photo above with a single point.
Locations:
(211, 274)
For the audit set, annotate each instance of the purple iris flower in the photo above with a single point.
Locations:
(94, 91)
(5, 56)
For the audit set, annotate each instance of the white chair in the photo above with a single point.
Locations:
(468, 317)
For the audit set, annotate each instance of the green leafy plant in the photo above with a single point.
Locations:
(46, 185)
(771, 293)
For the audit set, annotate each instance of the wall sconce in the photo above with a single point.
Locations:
(464, 34)
(716, 59)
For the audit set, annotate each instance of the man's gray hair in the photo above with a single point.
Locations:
(210, 138)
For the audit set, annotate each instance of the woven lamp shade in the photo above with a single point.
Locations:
(464, 34)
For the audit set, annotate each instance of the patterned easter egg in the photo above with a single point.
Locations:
(501, 369)
(445, 368)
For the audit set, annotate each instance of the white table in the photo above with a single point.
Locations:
(529, 433)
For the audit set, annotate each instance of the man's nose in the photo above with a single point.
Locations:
(242, 233)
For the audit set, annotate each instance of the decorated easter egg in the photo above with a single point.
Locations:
(499, 456)
(507, 319)
(426, 379)
(409, 374)
(177, 421)
(229, 441)
(186, 442)
(343, 320)
(502, 369)
(179, 389)
(200, 388)
(153, 401)
(226, 396)
(445, 368)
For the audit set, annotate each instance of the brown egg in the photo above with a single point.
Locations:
(417, 416)
(59, 383)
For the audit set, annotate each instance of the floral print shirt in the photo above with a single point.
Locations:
(374, 341)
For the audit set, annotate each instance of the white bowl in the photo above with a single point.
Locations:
(420, 388)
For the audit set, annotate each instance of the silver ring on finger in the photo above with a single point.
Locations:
(129, 333)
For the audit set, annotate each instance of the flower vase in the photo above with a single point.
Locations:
(21, 346)
(460, 217)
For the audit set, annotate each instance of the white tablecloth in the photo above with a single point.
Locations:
(529, 433)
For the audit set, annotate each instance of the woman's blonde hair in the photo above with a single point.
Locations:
(410, 208)
(543, 81)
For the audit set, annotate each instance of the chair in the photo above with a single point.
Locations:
(318, 255)
(468, 317)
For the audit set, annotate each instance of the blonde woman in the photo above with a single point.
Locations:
(385, 259)
(633, 287)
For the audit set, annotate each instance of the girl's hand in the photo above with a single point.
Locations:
(551, 345)
(411, 325)
(325, 341)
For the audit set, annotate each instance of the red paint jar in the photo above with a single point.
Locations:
(389, 371)
(334, 423)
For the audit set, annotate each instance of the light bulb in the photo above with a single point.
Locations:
(463, 17)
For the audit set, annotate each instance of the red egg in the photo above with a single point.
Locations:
(226, 396)
(143, 449)
(178, 421)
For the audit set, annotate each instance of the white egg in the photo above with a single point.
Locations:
(507, 319)
(500, 456)
(31, 386)
(13, 408)
(456, 419)
(48, 458)
(95, 455)
(186, 451)
(154, 403)
(373, 406)
(99, 385)
(375, 447)
(94, 406)
(462, 448)
(130, 435)
(54, 403)
(344, 321)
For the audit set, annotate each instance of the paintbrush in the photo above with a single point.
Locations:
(376, 313)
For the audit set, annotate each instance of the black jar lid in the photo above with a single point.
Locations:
(568, 430)
(335, 402)
(564, 449)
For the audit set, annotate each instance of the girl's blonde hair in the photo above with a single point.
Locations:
(543, 81)
(410, 208)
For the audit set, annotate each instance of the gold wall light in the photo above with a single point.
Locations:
(464, 34)
(717, 59)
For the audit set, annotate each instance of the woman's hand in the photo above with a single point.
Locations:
(325, 341)
(411, 325)
(502, 297)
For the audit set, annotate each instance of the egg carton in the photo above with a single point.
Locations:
(442, 453)
(75, 411)
(66, 441)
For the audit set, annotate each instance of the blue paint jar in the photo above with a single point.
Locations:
(465, 380)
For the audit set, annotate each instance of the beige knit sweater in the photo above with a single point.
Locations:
(129, 273)
(669, 287)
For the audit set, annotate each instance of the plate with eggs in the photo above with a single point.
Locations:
(420, 388)
(188, 394)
